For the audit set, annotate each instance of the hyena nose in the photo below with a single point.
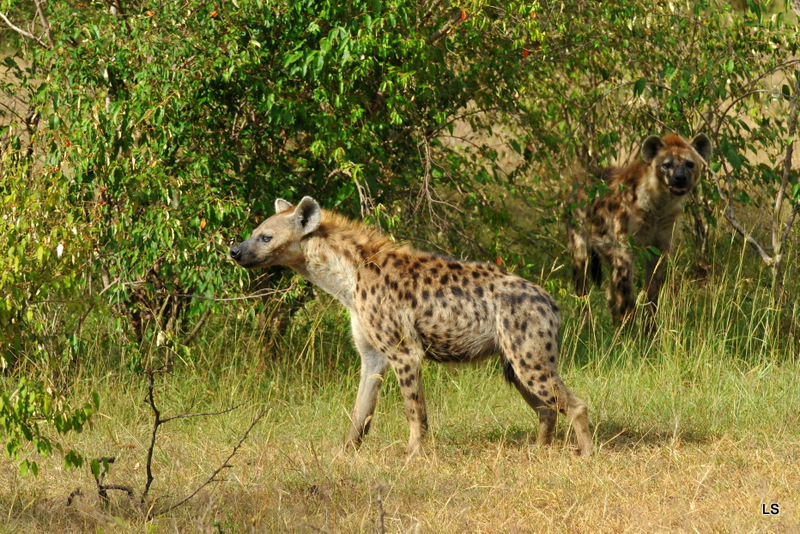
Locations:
(681, 180)
(236, 253)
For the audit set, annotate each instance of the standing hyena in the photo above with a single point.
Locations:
(641, 204)
(406, 305)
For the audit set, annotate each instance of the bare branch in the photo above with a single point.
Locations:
(156, 423)
(748, 237)
(22, 32)
(197, 327)
(188, 415)
(213, 477)
(455, 20)
(45, 23)
(779, 238)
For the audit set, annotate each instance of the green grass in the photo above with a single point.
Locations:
(695, 428)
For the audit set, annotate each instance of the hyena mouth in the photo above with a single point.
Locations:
(679, 191)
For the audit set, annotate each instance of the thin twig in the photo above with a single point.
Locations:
(213, 477)
(188, 415)
(794, 110)
(455, 20)
(46, 25)
(381, 513)
(156, 423)
(22, 32)
(197, 327)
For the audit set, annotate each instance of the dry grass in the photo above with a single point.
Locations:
(696, 428)
(662, 465)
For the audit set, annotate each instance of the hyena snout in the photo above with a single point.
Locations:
(242, 255)
(682, 180)
(236, 252)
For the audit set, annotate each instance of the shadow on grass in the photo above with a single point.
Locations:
(608, 435)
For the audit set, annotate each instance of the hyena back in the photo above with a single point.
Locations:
(407, 305)
(641, 203)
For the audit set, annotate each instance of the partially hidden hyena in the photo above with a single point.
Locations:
(636, 205)
(407, 305)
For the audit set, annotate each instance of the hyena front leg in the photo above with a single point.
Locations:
(620, 290)
(373, 367)
(654, 276)
(578, 245)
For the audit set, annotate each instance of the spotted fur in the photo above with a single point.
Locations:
(639, 204)
(407, 305)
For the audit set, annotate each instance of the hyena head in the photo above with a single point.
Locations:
(677, 167)
(276, 241)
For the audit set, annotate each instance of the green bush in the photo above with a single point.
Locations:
(137, 142)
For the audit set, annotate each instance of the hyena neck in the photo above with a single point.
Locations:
(335, 252)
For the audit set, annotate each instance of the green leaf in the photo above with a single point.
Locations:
(291, 58)
(95, 467)
(24, 466)
(639, 86)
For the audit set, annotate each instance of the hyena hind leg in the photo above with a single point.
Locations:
(578, 414)
(547, 417)
(543, 390)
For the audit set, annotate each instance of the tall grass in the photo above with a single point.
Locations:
(695, 426)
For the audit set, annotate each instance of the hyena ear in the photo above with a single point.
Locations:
(308, 215)
(650, 148)
(702, 144)
(282, 205)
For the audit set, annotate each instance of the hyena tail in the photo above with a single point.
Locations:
(508, 372)
(595, 267)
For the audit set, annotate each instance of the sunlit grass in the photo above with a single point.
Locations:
(695, 427)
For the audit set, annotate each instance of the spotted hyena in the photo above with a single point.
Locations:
(406, 305)
(640, 205)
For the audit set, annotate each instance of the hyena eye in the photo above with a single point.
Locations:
(666, 165)
(265, 238)
(690, 164)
